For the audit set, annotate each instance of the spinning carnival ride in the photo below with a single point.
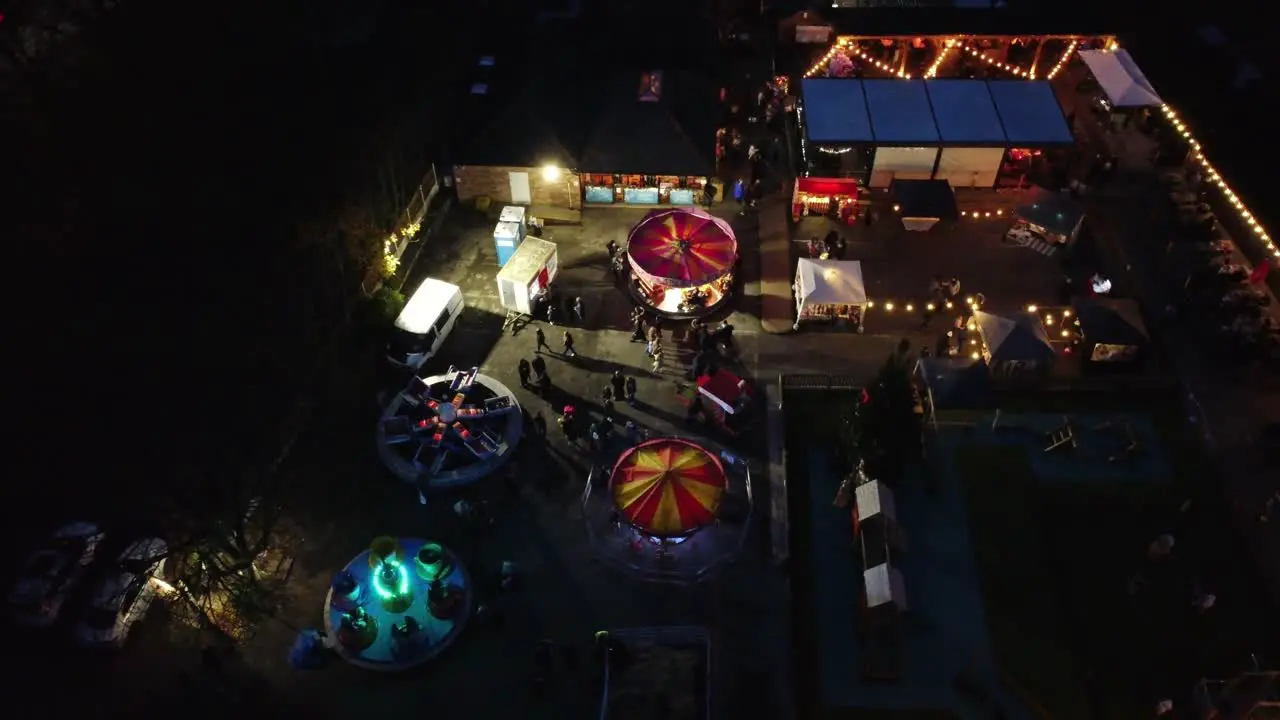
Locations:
(450, 429)
(672, 513)
(398, 604)
(682, 261)
(668, 488)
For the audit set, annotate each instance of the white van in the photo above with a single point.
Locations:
(424, 323)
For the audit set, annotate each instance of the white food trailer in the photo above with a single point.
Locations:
(527, 275)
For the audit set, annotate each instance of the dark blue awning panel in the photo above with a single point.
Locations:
(835, 110)
(900, 112)
(1029, 112)
(965, 112)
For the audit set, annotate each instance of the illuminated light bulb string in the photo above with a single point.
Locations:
(822, 65)
(878, 63)
(1211, 173)
(1062, 326)
(997, 64)
(1062, 61)
(932, 72)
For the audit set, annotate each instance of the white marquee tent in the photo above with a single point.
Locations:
(829, 289)
(1121, 79)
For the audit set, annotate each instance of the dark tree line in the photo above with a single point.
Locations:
(189, 250)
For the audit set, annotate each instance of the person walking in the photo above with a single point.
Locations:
(699, 366)
(631, 391)
(541, 381)
(525, 370)
(657, 360)
(606, 400)
(612, 248)
(568, 345)
(739, 194)
(655, 338)
(618, 384)
(541, 337)
(578, 314)
(637, 325)
(553, 312)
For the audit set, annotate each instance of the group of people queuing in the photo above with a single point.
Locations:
(560, 311)
(831, 247)
(942, 290)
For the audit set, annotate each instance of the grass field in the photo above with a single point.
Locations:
(1054, 562)
(1020, 592)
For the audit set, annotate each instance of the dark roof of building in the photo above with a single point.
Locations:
(570, 96)
(1047, 19)
(672, 132)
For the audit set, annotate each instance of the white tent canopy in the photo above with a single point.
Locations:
(829, 282)
(1121, 78)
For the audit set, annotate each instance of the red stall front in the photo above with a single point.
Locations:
(834, 197)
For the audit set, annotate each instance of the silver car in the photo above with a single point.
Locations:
(123, 597)
(51, 572)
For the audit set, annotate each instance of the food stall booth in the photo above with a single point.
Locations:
(526, 276)
(682, 262)
(1047, 220)
(509, 232)
(830, 291)
(924, 203)
(1015, 346)
(832, 197)
(1125, 89)
(1111, 332)
(728, 399)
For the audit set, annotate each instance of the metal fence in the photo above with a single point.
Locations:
(819, 383)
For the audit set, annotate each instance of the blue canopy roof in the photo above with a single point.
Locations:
(965, 111)
(1009, 113)
(1029, 112)
(835, 110)
(900, 112)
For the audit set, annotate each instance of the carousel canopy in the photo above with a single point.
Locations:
(682, 247)
(668, 487)
(1121, 78)
(1052, 211)
(830, 282)
(1111, 320)
(1013, 337)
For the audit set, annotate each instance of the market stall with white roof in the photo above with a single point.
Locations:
(830, 290)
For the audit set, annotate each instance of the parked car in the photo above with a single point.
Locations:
(51, 572)
(123, 597)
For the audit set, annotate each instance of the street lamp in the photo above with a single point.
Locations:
(550, 173)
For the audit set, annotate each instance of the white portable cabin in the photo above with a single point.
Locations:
(530, 270)
(884, 585)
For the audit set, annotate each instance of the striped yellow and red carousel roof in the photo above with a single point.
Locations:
(668, 487)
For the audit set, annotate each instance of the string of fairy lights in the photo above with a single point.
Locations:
(947, 49)
(1210, 172)
(1062, 61)
(1011, 69)
(883, 66)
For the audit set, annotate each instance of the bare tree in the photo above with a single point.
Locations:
(229, 552)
